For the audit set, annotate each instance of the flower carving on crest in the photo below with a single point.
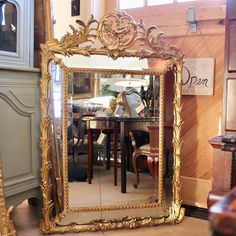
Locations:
(117, 31)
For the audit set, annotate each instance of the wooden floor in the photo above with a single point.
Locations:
(27, 225)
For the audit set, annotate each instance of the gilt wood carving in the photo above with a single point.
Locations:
(6, 225)
(115, 35)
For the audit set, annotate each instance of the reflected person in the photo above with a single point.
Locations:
(76, 133)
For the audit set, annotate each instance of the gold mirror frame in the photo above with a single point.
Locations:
(7, 227)
(118, 35)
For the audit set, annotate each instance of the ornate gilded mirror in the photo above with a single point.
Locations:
(110, 127)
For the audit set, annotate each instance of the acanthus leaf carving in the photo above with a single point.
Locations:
(116, 33)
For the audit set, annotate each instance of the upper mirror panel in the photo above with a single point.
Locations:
(124, 63)
(104, 62)
(103, 94)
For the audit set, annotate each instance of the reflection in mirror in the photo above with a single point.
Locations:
(8, 26)
(56, 134)
(104, 62)
(97, 104)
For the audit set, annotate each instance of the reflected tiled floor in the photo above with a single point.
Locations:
(27, 225)
(98, 193)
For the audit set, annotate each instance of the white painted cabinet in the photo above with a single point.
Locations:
(19, 102)
(16, 33)
(19, 133)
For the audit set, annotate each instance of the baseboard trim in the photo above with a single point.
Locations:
(196, 212)
(194, 192)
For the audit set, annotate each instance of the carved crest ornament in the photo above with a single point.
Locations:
(115, 35)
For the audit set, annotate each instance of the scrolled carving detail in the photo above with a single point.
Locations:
(117, 31)
(118, 35)
(176, 214)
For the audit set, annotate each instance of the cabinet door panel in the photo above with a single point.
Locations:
(232, 10)
(230, 105)
(19, 122)
(232, 47)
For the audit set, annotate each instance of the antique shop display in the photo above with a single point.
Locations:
(86, 117)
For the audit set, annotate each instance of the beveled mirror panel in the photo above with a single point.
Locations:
(110, 131)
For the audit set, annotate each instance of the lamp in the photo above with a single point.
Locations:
(129, 81)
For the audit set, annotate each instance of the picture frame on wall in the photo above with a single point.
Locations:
(75, 7)
(82, 85)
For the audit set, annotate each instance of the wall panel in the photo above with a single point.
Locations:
(201, 114)
(202, 119)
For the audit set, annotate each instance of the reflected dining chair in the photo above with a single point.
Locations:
(139, 151)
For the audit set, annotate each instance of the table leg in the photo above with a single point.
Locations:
(167, 170)
(128, 154)
(108, 149)
(90, 155)
(123, 158)
(115, 144)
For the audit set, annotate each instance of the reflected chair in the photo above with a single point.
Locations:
(81, 148)
(78, 145)
(131, 100)
(139, 151)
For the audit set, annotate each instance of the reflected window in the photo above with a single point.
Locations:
(124, 4)
(158, 2)
(56, 73)
(8, 26)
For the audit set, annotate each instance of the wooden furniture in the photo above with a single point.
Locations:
(6, 224)
(230, 68)
(97, 38)
(123, 126)
(18, 30)
(19, 105)
(144, 150)
(126, 125)
(223, 170)
(108, 126)
(19, 135)
(223, 215)
(222, 161)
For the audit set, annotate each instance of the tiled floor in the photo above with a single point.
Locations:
(99, 192)
(27, 225)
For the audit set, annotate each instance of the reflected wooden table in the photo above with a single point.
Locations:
(107, 126)
(116, 125)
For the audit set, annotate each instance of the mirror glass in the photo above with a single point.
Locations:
(56, 133)
(95, 105)
(104, 62)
